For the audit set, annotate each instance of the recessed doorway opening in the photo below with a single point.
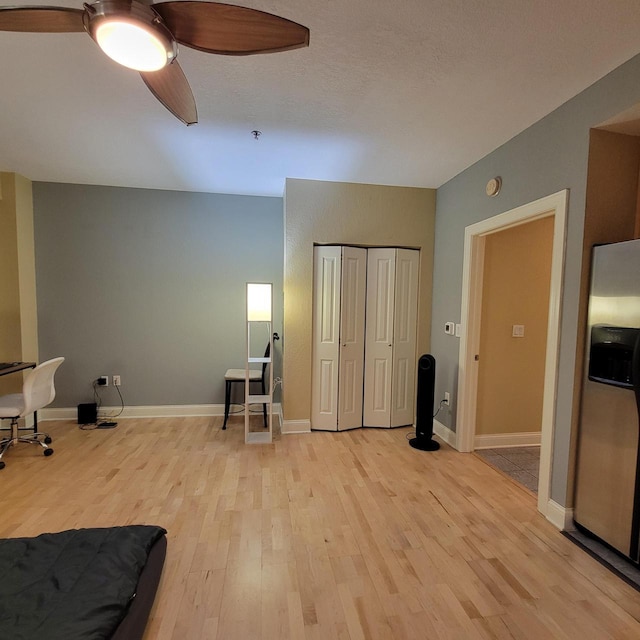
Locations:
(475, 238)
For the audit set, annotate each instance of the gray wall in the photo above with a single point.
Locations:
(150, 285)
(549, 156)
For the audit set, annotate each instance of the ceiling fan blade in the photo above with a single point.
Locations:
(230, 30)
(41, 19)
(172, 89)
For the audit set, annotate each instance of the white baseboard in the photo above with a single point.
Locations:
(559, 516)
(496, 440)
(296, 426)
(158, 411)
(444, 433)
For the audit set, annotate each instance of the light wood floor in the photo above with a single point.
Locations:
(327, 535)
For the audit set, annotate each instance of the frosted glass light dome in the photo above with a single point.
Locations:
(132, 45)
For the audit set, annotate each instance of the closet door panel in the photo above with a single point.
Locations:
(325, 338)
(379, 337)
(364, 337)
(352, 310)
(404, 334)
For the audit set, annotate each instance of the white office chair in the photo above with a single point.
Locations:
(38, 391)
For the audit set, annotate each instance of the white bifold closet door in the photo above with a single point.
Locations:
(390, 341)
(338, 337)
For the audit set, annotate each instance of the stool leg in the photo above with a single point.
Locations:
(227, 402)
(264, 407)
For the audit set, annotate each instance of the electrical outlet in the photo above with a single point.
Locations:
(116, 381)
(447, 398)
(103, 381)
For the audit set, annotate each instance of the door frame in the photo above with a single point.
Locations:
(555, 205)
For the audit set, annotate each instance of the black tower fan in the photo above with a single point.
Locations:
(424, 409)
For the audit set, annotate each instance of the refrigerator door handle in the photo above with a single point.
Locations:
(635, 522)
(635, 371)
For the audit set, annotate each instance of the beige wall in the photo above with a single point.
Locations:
(515, 291)
(636, 232)
(344, 213)
(18, 317)
(611, 210)
(26, 269)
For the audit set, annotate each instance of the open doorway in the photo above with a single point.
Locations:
(513, 336)
(555, 207)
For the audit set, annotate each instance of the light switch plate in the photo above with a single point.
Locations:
(450, 328)
(518, 331)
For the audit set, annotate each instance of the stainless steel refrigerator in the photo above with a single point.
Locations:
(607, 499)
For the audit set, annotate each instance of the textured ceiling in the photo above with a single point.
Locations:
(403, 93)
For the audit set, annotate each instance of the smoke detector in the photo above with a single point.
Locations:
(493, 186)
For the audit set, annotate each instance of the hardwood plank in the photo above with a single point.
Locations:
(320, 536)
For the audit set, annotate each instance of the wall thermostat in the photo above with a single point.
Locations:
(493, 186)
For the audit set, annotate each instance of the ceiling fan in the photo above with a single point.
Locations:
(144, 37)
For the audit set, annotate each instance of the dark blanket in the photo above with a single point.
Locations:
(71, 585)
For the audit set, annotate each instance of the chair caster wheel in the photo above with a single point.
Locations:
(48, 440)
(48, 452)
(1, 464)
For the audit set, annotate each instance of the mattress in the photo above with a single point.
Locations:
(79, 584)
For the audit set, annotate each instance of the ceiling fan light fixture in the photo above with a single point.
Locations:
(144, 36)
(133, 45)
(131, 34)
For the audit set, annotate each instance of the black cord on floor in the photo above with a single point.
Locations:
(104, 421)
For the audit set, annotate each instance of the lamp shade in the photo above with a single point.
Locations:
(258, 302)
